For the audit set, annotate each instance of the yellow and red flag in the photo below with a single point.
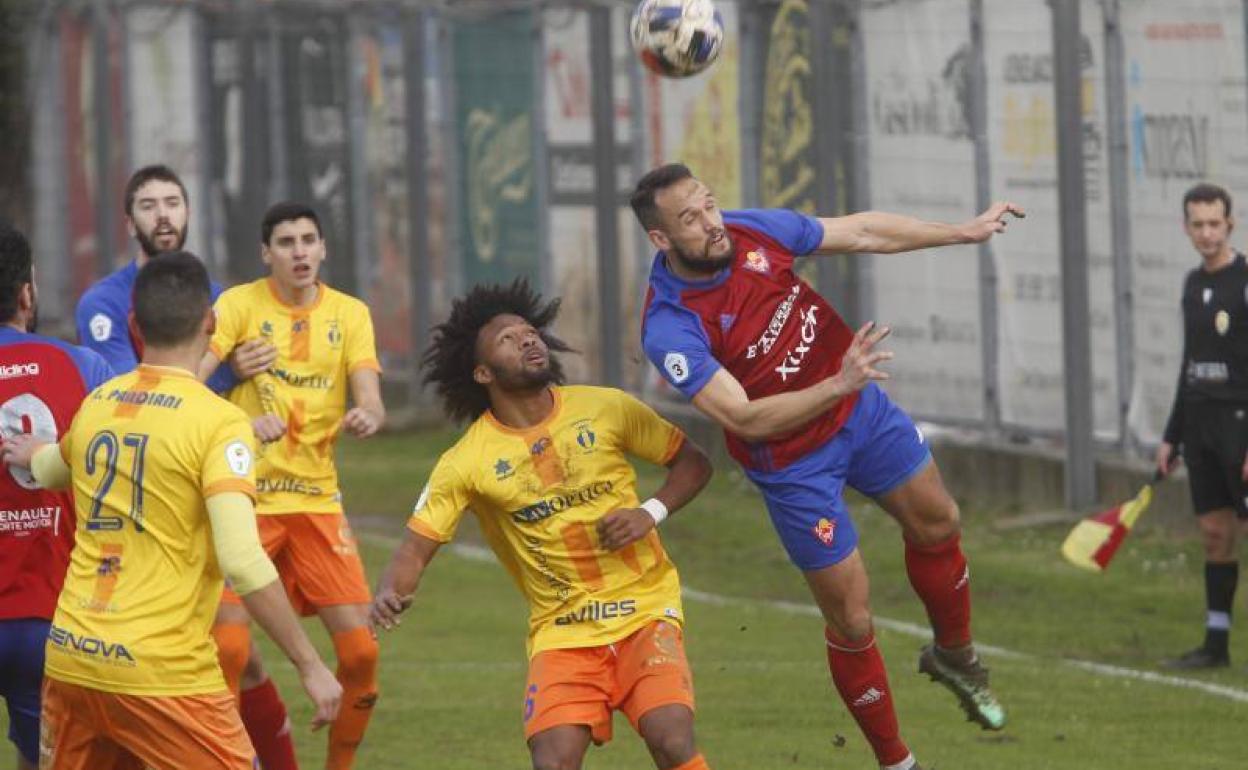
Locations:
(1095, 540)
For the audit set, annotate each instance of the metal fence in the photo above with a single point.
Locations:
(458, 141)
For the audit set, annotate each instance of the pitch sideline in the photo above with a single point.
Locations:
(478, 553)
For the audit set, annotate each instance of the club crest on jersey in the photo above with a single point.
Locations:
(757, 261)
(825, 530)
(585, 436)
(1222, 323)
(266, 329)
(503, 470)
(334, 335)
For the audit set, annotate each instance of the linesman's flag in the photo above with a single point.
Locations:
(1095, 540)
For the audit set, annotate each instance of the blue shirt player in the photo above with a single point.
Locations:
(42, 382)
(157, 215)
(731, 326)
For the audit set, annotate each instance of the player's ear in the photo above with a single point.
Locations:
(265, 257)
(1230, 223)
(210, 322)
(482, 375)
(26, 297)
(130, 228)
(659, 239)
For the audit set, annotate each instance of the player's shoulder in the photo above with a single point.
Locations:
(90, 365)
(244, 293)
(337, 300)
(210, 410)
(464, 457)
(112, 292)
(591, 396)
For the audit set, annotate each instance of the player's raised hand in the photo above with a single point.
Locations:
(388, 605)
(268, 427)
(324, 691)
(858, 367)
(624, 526)
(252, 357)
(19, 449)
(991, 222)
(361, 422)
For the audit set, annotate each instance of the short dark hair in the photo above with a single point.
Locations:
(15, 269)
(157, 172)
(642, 199)
(1207, 193)
(287, 211)
(171, 296)
(452, 356)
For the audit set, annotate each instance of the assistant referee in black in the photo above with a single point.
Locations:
(1208, 424)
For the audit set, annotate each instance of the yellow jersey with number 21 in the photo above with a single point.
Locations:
(136, 612)
(538, 494)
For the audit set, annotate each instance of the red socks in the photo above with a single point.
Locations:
(940, 577)
(264, 716)
(859, 675)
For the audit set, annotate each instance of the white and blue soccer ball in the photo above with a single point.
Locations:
(677, 38)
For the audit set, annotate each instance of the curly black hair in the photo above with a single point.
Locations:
(452, 355)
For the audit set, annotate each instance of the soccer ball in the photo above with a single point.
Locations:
(677, 38)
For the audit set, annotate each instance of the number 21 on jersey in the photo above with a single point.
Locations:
(104, 456)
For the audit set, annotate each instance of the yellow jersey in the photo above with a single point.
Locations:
(538, 494)
(318, 348)
(143, 585)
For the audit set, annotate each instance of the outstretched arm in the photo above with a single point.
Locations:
(878, 232)
(725, 401)
(398, 584)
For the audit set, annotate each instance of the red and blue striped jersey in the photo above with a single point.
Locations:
(42, 383)
(759, 321)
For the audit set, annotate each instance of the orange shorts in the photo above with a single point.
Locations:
(581, 686)
(85, 729)
(316, 557)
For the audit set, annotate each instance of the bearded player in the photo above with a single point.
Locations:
(731, 326)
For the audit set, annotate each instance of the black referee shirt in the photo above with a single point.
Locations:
(1215, 341)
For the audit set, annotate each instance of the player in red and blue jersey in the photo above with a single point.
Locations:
(732, 327)
(157, 211)
(42, 382)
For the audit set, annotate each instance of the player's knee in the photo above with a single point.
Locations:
(939, 523)
(357, 653)
(671, 748)
(856, 626)
(554, 758)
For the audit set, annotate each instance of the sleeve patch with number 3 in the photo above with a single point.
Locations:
(677, 366)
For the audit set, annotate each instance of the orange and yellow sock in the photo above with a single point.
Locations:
(357, 653)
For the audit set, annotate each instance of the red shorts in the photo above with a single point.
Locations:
(85, 729)
(581, 686)
(316, 557)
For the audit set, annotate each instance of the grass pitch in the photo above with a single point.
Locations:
(452, 674)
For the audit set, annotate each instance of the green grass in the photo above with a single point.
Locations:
(452, 675)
